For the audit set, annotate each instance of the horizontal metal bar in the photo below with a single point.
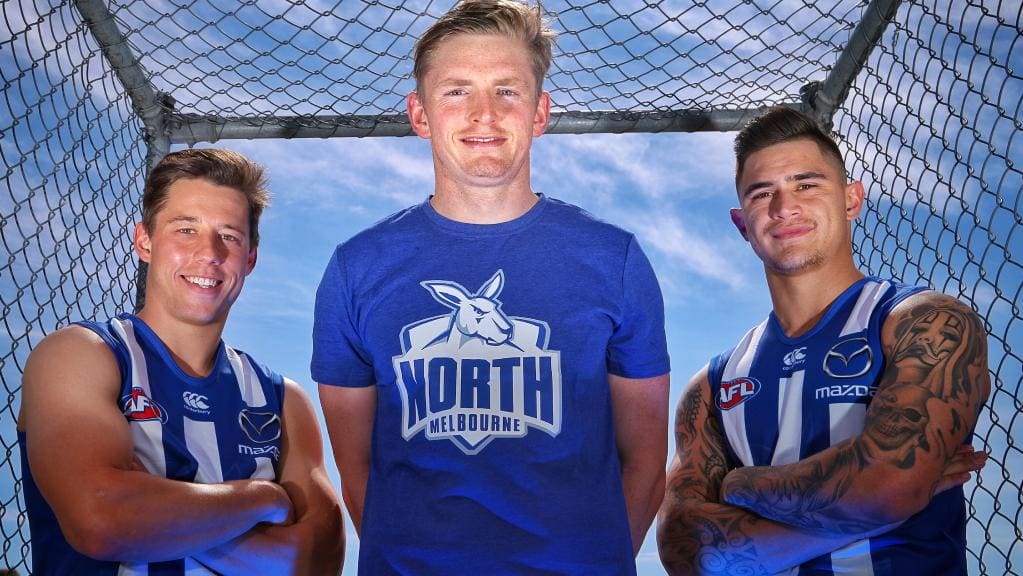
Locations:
(192, 128)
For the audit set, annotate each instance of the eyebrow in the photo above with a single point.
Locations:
(811, 175)
(193, 220)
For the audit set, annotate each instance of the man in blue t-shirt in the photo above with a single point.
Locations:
(151, 447)
(832, 439)
(492, 362)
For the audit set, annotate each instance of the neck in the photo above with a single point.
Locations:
(193, 347)
(483, 205)
(801, 299)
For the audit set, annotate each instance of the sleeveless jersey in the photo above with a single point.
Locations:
(226, 426)
(783, 399)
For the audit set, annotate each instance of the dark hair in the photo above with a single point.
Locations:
(776, 126)
(499, 17)
(218, 166)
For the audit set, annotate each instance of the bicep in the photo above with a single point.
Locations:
(302, 471)
(349, 414)
(700, 462)
(74, 429)
(640, 408)
(935, 382)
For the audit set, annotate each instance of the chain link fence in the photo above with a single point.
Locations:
(924, 95)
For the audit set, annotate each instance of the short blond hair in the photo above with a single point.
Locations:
(498, 17)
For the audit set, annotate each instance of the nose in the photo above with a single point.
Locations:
(483, 108)
(784, 204)
(211, 249)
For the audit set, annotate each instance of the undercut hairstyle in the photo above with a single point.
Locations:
(214, 165)
(779, 125)
(508, 18)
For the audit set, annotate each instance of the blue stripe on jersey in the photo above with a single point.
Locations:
(226, 426)
(783, 399)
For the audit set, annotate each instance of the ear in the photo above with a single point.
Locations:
(142, 244)
(739, 221)
(854, 195)
(447, 293)
(417, 115)
(252, 260)
(543, 114)
(493, 287)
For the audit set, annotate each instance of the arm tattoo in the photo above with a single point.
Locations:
(700, 536)
(927, 399)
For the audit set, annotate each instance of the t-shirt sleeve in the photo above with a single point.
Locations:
(338, 356)
(638, 348)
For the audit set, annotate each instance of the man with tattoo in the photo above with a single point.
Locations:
(833, 438)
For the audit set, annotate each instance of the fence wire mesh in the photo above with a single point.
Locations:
(932, 124)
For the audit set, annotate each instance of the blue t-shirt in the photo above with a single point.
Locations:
(782, 399)
(490, 346)
(226, 426)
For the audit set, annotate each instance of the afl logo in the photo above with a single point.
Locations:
(138, 407)
(735, 392)
(849, 358)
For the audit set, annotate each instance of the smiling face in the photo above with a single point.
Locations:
(480, 107)
(198, 253)
(796, 207)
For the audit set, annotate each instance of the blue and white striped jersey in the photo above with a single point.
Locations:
(226, 426)
(783, 399)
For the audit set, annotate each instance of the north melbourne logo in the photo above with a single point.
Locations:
(475, 374)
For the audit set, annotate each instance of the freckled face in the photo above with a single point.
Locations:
(198, 253)
(478, 105)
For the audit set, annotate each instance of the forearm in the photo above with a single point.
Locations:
(311, 546)
(703, 538)
(137, 517)
(837, 492)
(644, 489)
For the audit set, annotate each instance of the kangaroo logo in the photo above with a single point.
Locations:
(476, 315)
(475, 374)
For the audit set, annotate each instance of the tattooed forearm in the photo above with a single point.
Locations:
(695, 534)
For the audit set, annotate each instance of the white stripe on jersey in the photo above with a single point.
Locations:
(252, 394)
(870, 295)
(137, 569)
(847, 420)
(853, 559)
(147, 435)
(790, 420)
(201, 440)
(248, 382)
(734, 420)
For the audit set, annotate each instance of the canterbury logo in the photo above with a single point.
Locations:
(849, 358)
(196, 402)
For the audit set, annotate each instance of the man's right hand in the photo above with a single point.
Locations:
(960, 465)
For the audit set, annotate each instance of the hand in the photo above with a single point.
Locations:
(957, 470)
